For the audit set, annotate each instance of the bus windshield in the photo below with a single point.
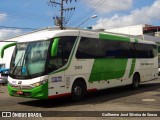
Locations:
(29, 59)
(34, 59)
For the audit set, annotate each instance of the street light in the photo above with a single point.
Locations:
(93, 16)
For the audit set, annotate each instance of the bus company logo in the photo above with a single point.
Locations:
(147, 63)
(56, 79)
(6, 114)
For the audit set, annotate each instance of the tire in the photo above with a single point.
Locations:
(135, 81)
(78, 91)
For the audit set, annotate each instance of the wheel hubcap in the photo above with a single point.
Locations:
(78, 90)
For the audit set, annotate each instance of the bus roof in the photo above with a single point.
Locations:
(49, 32)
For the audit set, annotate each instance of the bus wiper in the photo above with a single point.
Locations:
(17, 64)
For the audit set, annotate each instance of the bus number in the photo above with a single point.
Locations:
(77, 67)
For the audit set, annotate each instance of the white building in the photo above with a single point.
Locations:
(130, 30)
(146, 32)
(5, 61)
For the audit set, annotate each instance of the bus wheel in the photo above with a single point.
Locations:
(135, 81)
(78, 90)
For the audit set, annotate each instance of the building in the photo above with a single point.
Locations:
(144, 31)
(5, 61)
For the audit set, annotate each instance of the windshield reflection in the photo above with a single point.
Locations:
(29, 58)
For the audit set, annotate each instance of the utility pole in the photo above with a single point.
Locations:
(59, 21)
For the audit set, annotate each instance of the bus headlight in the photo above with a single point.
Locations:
(39, 83)
(36, 84)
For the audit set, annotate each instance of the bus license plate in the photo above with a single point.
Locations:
(20, 92)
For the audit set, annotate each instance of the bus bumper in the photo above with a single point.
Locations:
(40, 92)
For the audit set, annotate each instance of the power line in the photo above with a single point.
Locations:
(72, 12)
(121, 11)
(68, 15)
(65, 13)
(24, 17)
(118, 9)
(7, 27)
(90, 11)
(37, 17)
(21, 13)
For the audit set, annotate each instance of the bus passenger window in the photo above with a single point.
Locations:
(65, 46)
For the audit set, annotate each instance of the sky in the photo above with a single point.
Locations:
(20, 16)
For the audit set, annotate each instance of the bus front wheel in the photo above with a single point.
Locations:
(78, 91)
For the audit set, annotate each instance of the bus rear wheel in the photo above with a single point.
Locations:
(78, 91)
(135, 81)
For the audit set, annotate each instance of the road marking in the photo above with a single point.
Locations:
(148, 100)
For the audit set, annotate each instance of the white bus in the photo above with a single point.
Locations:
(51, 63)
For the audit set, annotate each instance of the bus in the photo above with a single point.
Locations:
(51, 63)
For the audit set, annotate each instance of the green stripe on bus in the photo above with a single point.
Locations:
(106, 69)
(133, 63)
(113, 37)
(132, 67)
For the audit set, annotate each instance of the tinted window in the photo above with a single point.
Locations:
(65, 46)
(90, 48)
(145, 50)
(118, 49)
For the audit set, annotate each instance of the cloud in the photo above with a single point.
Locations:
(145, 15)
(26, 5)
(6, 33)
(2, 16)
(109, 5)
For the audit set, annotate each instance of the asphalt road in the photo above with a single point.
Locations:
(146, 99)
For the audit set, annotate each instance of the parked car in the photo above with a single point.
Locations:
(4, 76)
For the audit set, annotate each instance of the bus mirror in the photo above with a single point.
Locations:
(54, 48)
(5, 47)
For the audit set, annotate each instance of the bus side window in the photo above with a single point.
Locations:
(65, 46)
(56, 61)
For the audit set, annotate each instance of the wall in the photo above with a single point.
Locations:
(131, 30)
